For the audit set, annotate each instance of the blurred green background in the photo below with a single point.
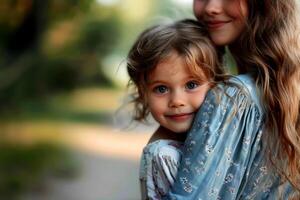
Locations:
(62, 78)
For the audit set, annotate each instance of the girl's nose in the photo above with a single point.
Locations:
(177, 100)
(213, 7)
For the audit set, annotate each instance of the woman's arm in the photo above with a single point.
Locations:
(219, 149)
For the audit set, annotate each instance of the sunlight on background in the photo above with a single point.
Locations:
(183, 2)
(115, 66)
(135, 10)
(108, 2)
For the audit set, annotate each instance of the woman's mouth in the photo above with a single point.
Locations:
(215, 24)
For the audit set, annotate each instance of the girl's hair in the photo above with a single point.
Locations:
(188, 39)
(269, 49)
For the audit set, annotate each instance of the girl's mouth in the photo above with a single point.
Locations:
(181, 117)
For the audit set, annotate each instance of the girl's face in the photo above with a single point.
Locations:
(225, 19)
(174, 94)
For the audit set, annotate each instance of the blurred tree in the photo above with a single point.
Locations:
(28, 68)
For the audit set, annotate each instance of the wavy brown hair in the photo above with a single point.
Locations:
(188, 39)
(269, 49)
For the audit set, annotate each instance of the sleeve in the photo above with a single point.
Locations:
(219, 148)
(158, 168)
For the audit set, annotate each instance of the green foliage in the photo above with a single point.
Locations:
(99, 36)
(27, 70)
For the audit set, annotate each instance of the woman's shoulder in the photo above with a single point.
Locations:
(243, 85)
(247, 82)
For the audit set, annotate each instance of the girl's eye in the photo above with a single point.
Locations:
(191, 85)
(161, 89)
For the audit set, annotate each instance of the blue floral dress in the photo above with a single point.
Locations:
(223, 156)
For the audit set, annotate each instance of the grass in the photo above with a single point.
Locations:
(23, 167)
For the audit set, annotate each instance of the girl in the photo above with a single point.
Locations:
(253, 153)
(171, 67)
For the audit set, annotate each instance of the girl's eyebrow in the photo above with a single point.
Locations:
(156, 82)
(192, 77)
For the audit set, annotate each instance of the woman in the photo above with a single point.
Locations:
(246, 145)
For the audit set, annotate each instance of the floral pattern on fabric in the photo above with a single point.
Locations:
(158, 169)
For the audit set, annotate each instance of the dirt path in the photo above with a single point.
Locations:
(100, 178)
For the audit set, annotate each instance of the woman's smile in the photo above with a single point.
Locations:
(225, 20)
(216, 24)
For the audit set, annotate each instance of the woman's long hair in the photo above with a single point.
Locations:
(269, 49)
